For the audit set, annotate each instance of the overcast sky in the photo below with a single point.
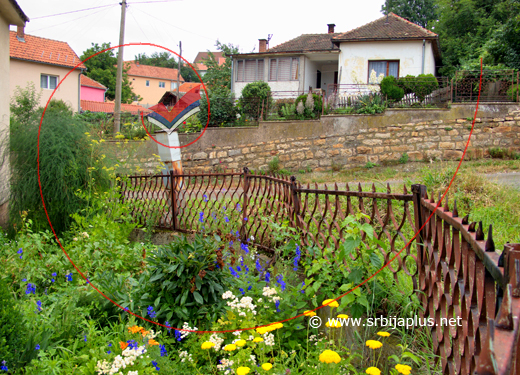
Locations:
(198, 24)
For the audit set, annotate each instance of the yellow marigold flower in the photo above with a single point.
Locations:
(243, 370)
(332, 304)
(383, 334)
(277, 326)
(309, 313)
(230, 347)
(343, 316)
(403, 369)
(258, 339)
(329, 356)
(374, 344)
(135, 329)
(152, 342)
(373, 371)
(262, 330)
(267, 366)
(207, 345)
(333, 324)
(240, 343)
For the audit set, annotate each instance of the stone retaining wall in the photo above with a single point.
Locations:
(347, 141)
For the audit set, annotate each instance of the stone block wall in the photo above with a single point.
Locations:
(342, 142)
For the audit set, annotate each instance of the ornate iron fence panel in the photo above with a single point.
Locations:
(494, 87)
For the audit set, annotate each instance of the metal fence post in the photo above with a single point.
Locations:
(419, 192)
(295, 203)
(245, 204)
(173, 198)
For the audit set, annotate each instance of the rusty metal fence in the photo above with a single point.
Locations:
(456, 273)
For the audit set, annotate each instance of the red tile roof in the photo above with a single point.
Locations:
(396, 28)
(43, 50)
(86, 81)
(149, 71)
(199, 64)
(88, 105)
(307, 43)
(185, 87)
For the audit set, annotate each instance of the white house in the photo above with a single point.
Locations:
(390, 45)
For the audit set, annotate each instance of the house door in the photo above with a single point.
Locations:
(318, 79)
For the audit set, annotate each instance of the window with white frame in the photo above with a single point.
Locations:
(147, 83)
(162, 84)
(250, 70)
(385, 67)
(48, 81)
(284, 69)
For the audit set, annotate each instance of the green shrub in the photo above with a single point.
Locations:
(67, 163)
(278, 105)
(12, 340)
(274, 165)
(390, 88)
(404, 158)
(513, 92)
(370, 104)
(222, 108)
(420, 86)
(289, 111)
(315, 112)
(254, 95)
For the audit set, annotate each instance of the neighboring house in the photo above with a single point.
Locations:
(108, 107)
(199, 65)
(185, 87)
(150, 82)
(92, 90)
(10, 14)
(389, 45)
(45, 63)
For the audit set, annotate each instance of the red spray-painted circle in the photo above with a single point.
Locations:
(240, 329)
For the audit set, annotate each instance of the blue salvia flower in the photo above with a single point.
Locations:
(237, 234)
(239, 269)
(154, 364)
(267, 277)
(24, 280)
(53, 275)
(303, 284)
(205, 198)
(177, 336)
(242, 261)
(230, 243)
(109, 351)
(85, 338)
(167, 324)
(37, 347)
(4, 366)
(201, 217)
(132, 344)
(277, 303)
(227, 219)
(20, 251)
(279, 280)
(163, 349)
(242, 291)
(151, 313)
(297, 258)
(109, 344)
(69, 277)
(247, 269)
(244, 247)
(249, 288)
(238, 207)
(258, 265)
(30, 289)
(233, 272)
(39, 305)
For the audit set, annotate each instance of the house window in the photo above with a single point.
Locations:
(147, 83)
(162, 84)
(48, 82)
(283, 69)
(250, 70)
(387, 68)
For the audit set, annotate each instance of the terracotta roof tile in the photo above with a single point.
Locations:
(89, 105)
(185, 87)
(43, 50)
(86, 81)
(396, 28)
(307, 43)
(140, 70)
(198, 62)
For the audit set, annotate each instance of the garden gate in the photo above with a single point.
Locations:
(455, 271)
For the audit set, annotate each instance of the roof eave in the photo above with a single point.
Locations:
(84, 68)
(337, 41)
(299, 52)
(12, 12)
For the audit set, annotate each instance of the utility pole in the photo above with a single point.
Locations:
(179, 70)
(119, 74)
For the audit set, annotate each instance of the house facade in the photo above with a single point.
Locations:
(151, 82)
(45, 63)
(92, 90)
(199, 65)
(10, 14)
(390, 45)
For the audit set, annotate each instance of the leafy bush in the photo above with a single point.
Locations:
(222, 108)
(404, 158)
(390, 88)
(278, 105)
(66, 163)
(421, 86)
(370, 104)
(186, 281)
(254, 95)
(513, 92)
(289, 111)
(274, 165)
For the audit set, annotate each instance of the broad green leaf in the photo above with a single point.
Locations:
(375, 260)
(367, 228)
(198, 297)
(350, 245)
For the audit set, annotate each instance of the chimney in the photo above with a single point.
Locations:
(20, 34)
(331, 28)
(262, 45)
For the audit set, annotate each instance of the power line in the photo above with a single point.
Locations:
(151, 2)
(73, 11)
(75, 19)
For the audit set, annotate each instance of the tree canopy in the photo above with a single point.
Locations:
(103, 68)
(420, 12)
(219, 76)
